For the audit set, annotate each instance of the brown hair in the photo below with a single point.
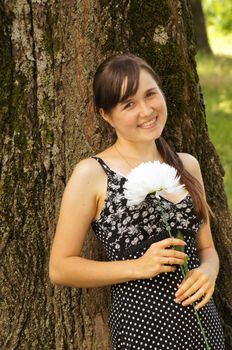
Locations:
(107, 88)
(110, 75)
(193, 186)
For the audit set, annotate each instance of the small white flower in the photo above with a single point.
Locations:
(151, 177)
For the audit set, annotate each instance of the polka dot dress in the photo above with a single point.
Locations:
(144, 315)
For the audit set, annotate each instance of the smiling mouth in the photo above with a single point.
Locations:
(150, 124)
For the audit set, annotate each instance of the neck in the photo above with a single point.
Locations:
(137, 153)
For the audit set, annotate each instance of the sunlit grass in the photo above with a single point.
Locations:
(216, 81)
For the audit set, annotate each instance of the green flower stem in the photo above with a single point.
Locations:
(184, 270)
(198, 317)
(201, 327)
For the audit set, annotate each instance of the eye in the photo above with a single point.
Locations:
(128, 105)
(150, 93)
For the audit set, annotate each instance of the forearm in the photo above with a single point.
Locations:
(81, 272)
(76, 271)
(209, 260)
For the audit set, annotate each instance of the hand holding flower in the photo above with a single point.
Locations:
(157, 178)
(199, 283)
(158, 258)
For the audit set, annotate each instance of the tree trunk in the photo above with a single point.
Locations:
(49, 52)
(200, 27)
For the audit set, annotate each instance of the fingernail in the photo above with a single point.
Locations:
(177, 301)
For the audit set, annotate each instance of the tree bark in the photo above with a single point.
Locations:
(49, 52)
(200, 27)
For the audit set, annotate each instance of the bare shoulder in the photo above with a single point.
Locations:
(87, 173)
(191, 164)
(87, 167)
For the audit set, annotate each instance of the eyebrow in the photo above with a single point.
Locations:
(153, 88)
(126, 101)
(130, 97)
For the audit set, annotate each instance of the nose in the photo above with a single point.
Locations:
(144, 109)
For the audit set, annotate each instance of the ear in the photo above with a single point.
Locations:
(106, 117)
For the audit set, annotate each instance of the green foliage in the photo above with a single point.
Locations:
(184, 267)
(220, 42)
(218, 13)
(216, 80)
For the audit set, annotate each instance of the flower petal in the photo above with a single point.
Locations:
(151, 177)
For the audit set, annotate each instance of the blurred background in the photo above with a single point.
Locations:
(213, 28)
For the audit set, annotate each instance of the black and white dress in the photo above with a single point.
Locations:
(144, 315)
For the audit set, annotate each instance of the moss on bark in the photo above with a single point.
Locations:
(50, 38)
(6, 65)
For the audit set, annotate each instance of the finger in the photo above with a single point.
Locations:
(186, 284)
(191, 290)
(171, 241)
(192, 277)
(173, 253)
(183, 288)
(199, 294)
(195, 280)
(168, 268)
(205, 300)
(171, 261)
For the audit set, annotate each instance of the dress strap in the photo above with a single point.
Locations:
(104, 166)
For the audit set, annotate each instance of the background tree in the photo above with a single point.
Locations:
(49, 51)
(199, 25)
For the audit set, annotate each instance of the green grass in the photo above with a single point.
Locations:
(215, 74)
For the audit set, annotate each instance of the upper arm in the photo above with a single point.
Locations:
(78, 208)
(191, 164)
(204, 236)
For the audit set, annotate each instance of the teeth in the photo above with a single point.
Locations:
(148, 124)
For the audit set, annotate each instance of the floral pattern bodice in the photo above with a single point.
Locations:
(120, 226)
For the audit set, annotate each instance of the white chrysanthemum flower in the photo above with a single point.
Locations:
(151, 177)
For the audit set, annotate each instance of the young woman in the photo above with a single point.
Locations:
(151, 302)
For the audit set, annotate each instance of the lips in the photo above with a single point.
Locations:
(149, 124)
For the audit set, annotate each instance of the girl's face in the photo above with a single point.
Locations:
(141, 117)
